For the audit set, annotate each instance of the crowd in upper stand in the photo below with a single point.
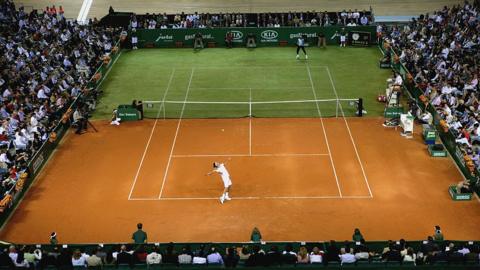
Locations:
(288, 19)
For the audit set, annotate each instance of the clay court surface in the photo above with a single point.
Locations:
(296, 179)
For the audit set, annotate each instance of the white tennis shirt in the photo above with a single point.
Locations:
(223, 171)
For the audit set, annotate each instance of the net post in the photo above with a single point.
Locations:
(360, 107)
(163, 108)
(250, 109)
(250, 104)
(336, 109)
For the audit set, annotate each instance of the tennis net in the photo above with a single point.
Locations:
(265, 109)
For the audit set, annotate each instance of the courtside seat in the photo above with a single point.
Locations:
(124, 267)
(362, 262)
(309, 265)
(348, 265)
(241, 263)
(393, 263)
(154, 266)
(471, 258)
(408, 264)
(140, 266)
(378, 263)
(50, 267)
(441, 262)
(333, 264)
(215, 265)
(190, 265)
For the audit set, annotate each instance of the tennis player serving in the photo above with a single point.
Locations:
(219, 168)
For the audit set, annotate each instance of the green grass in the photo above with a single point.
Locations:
(240, 75)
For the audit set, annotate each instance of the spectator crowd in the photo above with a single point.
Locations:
(434, 250)
(45, 63)
(289, 19)
(441, 51)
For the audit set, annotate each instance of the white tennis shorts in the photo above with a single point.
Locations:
(226, 181)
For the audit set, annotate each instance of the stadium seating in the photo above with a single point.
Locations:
(295, 19)
(46, 64)
(424, 259)
(443, 69)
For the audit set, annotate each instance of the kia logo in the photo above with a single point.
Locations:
(237, 34)
(269, 34)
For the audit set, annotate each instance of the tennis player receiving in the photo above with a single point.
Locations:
(227, 182)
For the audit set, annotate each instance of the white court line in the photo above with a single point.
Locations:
(249, 155)
(253, 67)
(251, 88)
(207, 198)
(350, 134)
(151, 135)
(176, 134)
(143, 199)
(250, 124)
(324, 132)
(252, 198)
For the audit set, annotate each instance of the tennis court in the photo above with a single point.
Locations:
(287, 146)
(299, 157)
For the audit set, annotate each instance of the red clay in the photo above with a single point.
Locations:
(83, 192)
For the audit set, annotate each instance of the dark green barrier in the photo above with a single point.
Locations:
(448, 138)
(128, 113)
(264, 36)
(40, 158)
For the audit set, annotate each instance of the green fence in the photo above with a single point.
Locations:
(263, 36)
(448, 138)
(42, 155)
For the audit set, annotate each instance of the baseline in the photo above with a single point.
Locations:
(251, 198)
(250, 155)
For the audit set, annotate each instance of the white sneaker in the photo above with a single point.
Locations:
(306, 56)
(222, 200)
(298, 56)
(228, 198)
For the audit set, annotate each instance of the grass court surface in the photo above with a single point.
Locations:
(296, 176)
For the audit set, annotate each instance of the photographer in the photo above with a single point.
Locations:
(80, 120)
